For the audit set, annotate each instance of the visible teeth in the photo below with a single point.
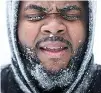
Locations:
(61, 47)
(53, 47)
(45, 47)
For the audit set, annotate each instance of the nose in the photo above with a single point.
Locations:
(53, 27)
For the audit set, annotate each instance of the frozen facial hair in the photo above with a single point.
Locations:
(48, 80)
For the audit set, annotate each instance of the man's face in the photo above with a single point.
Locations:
(55, 29)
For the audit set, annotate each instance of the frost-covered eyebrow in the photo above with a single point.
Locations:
(70, 7)
(42, 9)
(35, 7)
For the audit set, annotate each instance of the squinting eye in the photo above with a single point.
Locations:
(71, 17)
(34, 17)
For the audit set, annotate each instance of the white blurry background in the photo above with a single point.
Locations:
(4, 45)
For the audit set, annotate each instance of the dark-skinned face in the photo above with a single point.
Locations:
(54, 30)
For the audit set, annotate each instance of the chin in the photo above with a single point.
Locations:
(54, 69)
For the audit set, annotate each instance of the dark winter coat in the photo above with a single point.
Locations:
(9, 84)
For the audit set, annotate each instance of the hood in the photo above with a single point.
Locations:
(17, 66)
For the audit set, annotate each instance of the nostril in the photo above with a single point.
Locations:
(46, 31)
(60, 31)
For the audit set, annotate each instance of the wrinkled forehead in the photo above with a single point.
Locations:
(52, 4)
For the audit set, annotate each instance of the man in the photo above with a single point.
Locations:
(51, 44)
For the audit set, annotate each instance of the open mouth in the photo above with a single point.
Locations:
(53, 49)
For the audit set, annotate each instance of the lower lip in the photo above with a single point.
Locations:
(54, 53)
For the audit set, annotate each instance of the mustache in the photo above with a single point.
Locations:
(55, 38)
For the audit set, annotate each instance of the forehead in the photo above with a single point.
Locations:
(50, 4)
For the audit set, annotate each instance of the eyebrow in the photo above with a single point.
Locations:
(37, 7)
(68, 8)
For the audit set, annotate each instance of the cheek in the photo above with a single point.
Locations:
(27, 33)
(78, 34)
